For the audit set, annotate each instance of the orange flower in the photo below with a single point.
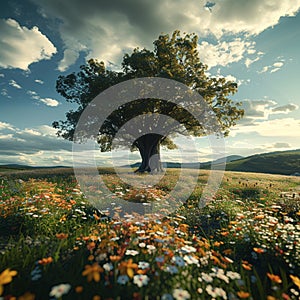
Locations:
(271, 298)
(224, 233)
(45, 261)
(274, 278)
(127, 267)
(296, 280)
(61, 236)
(259, 250)
(243, 295)
(115, 258)
(217, 244)
(92, 272)
(227, 251)
(6, 277)
(96, 297)
(246, 266)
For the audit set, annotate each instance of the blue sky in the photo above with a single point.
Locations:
(255, 43)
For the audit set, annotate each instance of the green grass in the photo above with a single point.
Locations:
(244, 244)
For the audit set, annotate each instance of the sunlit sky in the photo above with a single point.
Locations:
(256, 43)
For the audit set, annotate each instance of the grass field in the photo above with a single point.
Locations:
(244, 244)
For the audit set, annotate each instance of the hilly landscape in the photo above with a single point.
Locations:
(280, 162)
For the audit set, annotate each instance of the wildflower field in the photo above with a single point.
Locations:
(245, 244)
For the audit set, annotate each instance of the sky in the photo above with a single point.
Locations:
(255, 43)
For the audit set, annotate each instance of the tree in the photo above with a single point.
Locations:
(174, 57)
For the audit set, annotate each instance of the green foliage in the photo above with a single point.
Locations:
(174, 57)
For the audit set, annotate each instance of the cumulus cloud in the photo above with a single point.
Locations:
(285, 109)
(263, 109)
(224, 53)
(272, 68)
(105, 29)
(21, 46)
(14, 84)
(39, 81)
(50, 102)
(30, 140)
(286, 127)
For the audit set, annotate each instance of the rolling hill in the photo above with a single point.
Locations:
(280, 162)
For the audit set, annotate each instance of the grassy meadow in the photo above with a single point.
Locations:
(244, 244)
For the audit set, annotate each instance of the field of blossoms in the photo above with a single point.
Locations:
(245, 244)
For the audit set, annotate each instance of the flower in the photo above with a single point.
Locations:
(171, 269)
(92, 272)
(127, 267)
(178, 261)
(166, 297)
(61, 236)
(131, 252)
(143, 265)
(180, 294)
(296, 280)
(108, 267)
(123, 279)
(6, 277)
(59, 290)
(45, 261)
(274, 278)
(243, 295)
(141, 280)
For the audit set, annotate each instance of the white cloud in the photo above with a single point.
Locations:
(50, 102)
(272, 68)
(285, 127)
(2, 75)
(224, 53)
(21, 46)
(14, 84)
(279, 145)
(39, 81)
(285, 109)
(105, 29)
(4, 93)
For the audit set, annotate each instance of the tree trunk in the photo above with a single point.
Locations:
(149, 147)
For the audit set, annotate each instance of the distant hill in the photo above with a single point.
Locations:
(204, 165)
(280, 162)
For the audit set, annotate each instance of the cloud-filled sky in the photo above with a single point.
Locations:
(256, 43)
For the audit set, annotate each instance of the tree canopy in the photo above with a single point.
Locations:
(173, 57)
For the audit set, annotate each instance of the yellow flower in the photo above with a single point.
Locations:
(296, 280)
(6, 277)
(92, 272)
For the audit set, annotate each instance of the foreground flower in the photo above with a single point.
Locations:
(127, 267)
(6, 277)
(180, 294)
(274, 278)
(123, 279)
(296, 280)
(140, 280)
(92, 272)
(59, 290)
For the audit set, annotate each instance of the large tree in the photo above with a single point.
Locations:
(174, 57)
